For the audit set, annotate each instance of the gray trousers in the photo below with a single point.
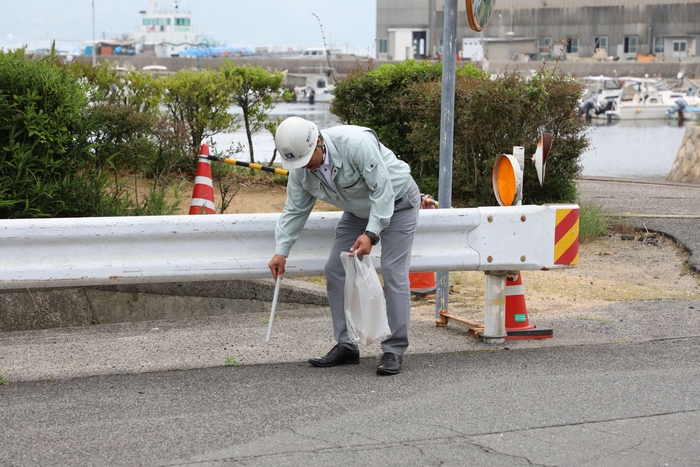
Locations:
(396, 242)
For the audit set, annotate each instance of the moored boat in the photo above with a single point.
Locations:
(316, 89)
(643, 99)
(689, 112)
(597, 97)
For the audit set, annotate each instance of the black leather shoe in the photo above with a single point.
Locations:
(337, 356)
(390, 364)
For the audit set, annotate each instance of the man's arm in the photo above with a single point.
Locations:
(291, 222)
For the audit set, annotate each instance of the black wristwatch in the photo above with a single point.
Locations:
(374, 238)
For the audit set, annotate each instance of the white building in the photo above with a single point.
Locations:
(529, 29)
(167, 31)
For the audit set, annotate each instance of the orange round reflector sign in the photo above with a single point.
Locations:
(506, 180)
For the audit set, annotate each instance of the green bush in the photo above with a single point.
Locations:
(69, 133)
(492, 115)
(46, 158)
(75, 136)
(374, 98)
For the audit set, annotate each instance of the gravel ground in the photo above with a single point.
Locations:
(622, 266)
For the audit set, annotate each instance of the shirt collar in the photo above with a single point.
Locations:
(326, 157)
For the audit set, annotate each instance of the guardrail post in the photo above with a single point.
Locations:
(495, 308)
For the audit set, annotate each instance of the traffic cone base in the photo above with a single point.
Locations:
(517, 324)
(534, 333)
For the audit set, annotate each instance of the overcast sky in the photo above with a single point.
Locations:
(250, 23)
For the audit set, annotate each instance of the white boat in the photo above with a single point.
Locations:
(597, 97)
(643, 99)
(168, 31)
(689, 104)
(690, 112)
(317, 86)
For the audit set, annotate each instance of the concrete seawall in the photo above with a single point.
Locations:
(342, 66)
(686, 166)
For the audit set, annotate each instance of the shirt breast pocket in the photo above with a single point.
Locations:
(314, 186)
(355, 185)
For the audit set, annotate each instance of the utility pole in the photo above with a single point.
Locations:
(94, 45)
(431, 28)
(449, 61)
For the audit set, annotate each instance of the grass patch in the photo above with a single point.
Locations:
(231, 361)
(318, 280)
(3, 380)
(593, 221)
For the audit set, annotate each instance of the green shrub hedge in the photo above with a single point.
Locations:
(74, 137)
(45, 149)
(492, 115)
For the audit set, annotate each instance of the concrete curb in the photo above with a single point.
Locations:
(26, 309)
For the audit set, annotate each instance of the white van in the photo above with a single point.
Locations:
(320, 52)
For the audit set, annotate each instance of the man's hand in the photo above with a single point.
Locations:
(276, 265)
(362, 246)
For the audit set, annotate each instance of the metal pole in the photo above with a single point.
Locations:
(274, 308)
(431, 28)
(94, 51)
(449, 42)
(264, 168)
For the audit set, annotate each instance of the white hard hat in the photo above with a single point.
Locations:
(296, 141)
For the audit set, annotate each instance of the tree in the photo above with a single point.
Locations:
(254, 96)
(202, 99)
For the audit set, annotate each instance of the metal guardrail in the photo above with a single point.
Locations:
(36, 253)
(120, 250)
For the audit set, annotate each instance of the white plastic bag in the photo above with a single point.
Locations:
(365, 307)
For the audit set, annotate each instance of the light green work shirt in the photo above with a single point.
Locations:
(368, 178)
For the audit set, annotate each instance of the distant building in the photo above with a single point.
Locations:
(530, 29)
(168, 32)
(112, 47)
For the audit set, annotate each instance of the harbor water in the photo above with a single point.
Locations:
(644, 149)
(626, 149)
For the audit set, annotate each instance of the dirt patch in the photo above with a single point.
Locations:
(616, 268)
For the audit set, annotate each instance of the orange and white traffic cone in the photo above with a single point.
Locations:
(517, 323)
(203, 193)
(423, 283)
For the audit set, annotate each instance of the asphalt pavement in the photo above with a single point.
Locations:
(616, 388)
